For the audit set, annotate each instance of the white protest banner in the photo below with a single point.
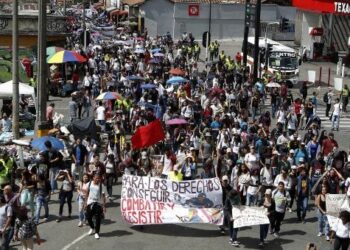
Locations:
(332, 220)
(311, 76)
(149, 200)
(334, 203)
(244, 216)
(338, 83)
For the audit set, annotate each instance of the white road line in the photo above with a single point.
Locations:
(75, 241)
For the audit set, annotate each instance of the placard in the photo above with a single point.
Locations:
(338, 83)
(311, 76)
(149, 200)
(245, 216)
(334, 203)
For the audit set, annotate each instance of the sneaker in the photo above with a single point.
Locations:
(230, 241)
(97, 236)
(290, 210)
(327, 238)
(319, 234)
(80, 224)
(276, 235)
(58, 219)
(235, 244)
(45, 219)
(261, 244)
(91, 232)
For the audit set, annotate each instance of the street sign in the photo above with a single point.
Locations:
(193, 9)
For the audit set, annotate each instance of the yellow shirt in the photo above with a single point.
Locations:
(174, 177)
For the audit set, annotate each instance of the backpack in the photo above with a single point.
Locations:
(325, 97)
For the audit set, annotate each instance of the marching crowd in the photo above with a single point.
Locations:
(278, 159)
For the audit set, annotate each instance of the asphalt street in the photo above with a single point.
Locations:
(117, 234)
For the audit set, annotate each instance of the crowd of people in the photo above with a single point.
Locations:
(278, 158)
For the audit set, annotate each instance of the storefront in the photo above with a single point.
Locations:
(322, 26)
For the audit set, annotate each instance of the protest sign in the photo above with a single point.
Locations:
(334, 203)
(149, 200)
(244, 216)
(332, 220)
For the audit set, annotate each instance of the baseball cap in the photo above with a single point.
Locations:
(291, 151)
(294, 167)
(144, 155)
(225, 178)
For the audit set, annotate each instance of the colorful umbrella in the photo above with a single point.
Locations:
(139, 51)
(177, 71)
(155, 60)
(176, 121)
(66, 56)
(176, 80)
(39, 143)
(52, 50)
(109, 96)
(273, 85)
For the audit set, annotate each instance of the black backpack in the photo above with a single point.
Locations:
(325, 97)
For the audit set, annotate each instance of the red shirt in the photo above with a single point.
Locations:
(328, 145)
(297, 108)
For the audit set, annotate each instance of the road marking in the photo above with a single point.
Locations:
(75, 241)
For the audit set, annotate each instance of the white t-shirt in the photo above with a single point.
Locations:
(347, 184)
(252, 161)
(341, 230)
(167, 165)
(100, 113)
(336, 109)
(4, 213)
(95, 195)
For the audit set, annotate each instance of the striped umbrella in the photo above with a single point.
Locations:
(66, 56)
(109, 96)
(52, 50)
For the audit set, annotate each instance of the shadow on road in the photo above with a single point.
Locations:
(293, 232)
(177, 230)
(275, 244)
(114, 233)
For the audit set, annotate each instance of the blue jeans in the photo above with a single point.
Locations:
(323, 225)
(81, 202)
(302, 207)
(6, 238)
(335, 122)
(41, 201)
(264, 229)
(233, 231)
(251, 200)
(52, 175)
(254, 112)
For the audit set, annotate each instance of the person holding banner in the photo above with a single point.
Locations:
(270, 206)
(341, 232)
(232, 199)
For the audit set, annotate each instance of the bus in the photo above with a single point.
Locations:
(281, 58)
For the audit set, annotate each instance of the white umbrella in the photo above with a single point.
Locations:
(273, 85)
(6, 89)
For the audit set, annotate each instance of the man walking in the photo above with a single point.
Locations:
(336, 115)
(303, 185)
(281, 198)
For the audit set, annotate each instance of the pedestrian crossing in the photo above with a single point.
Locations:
(344, 123)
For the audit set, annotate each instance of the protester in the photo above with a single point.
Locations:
(281, 198)
(232, 199)
(95, 204)
(340, 232)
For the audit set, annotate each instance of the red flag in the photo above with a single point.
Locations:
(148, 135)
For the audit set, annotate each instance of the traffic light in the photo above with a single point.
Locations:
(248, 13)
(284, 24)
(204, 39)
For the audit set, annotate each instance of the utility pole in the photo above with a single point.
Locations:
(208, 34)
(15, 80)
(42, 71)
(64, 8)
(256, 40)
(246, 32)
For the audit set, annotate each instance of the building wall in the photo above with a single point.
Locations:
(309, 20)
(227, 20)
